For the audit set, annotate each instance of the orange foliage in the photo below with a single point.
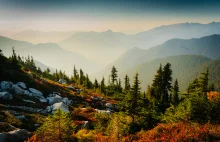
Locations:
(175, 132)
(33, 139)
(213, 95)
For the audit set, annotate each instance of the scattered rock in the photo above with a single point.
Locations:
(6, 85)
(26, 92)
(67, 101)
(53, 100)
(29, 101)
(96, 98)
(36, 93)
(17, 90)
(16, 135)
(70, 87)
(85, 125)
(25, 108)
(62, 81)
(111, 106)
(108, 105)
(20, 117)
(22, 85)
(5, 96)
(107, 112)
(61, 106)
(37, 125)
(43, 100)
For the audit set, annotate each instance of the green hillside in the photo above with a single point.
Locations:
(185, 69)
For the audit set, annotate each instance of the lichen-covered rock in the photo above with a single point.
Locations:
(5, 96)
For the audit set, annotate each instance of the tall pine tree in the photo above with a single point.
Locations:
(131, 103)
(127, 83)
(114, 75)
(175, 91)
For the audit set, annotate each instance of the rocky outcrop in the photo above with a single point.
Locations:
(15, 136)
(5, 96)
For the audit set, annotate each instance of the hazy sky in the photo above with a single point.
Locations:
(128, 16)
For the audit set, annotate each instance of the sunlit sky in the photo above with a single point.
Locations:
(128, 16)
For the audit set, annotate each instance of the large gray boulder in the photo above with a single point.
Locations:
(36, 93)
(5, 96)
(6, 85)
(14, 136)
(17, 90)
(53, 100)
(22, 85)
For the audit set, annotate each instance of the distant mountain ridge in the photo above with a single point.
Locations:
(49, 54)
(103, 45)
(35, 36)
(208, 46)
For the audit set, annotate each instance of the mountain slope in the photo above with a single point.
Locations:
(6, 45)
(49, 54)
(185, 68)
(207, 46)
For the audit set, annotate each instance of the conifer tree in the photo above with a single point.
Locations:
(131, 103)
(204, 81)
(119, 86)
(87, 82)
(127, 83)
(158, 83)
(175, 91)
(167, 81)
(96, 84)
(75, 74)
(14, 57)
(81, 77)
(114, 75)
(102, 85)
(57, 127)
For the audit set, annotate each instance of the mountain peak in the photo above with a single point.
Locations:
(109, 31)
